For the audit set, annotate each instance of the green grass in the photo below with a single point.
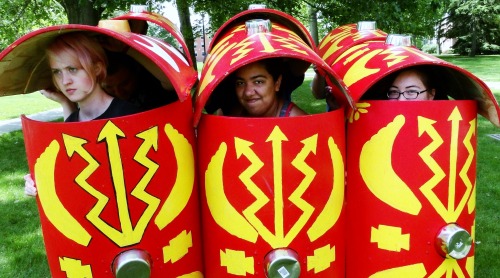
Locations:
(14, 106)
(22, 253)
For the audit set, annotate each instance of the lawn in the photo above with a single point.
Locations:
(22, 253)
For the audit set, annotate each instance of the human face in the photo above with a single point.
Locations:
(70, 77)
(256, 90)
(411, 81)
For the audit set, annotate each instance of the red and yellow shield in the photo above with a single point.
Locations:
(111, 188)
(266, 184)
(411, 171)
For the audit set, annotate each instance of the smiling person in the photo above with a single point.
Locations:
(257, 87)
(413, 84)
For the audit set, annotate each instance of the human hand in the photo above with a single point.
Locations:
(29, 186)
(55, 96)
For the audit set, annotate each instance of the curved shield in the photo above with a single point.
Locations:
(411, 169)
(241, 45)
(138, 19)
(362, 66)
(114, 195)
(272, 187)
(346, 36)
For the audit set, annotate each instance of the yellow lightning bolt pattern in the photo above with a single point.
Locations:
(74, 268)
(243, 147)
(335, 39)
(407, 271)
(236, 262)
(178, 247)
(290, 44)
(322, 258)
(426, 126)
(55, 211)
(390, 238)
(150, 138)
(242, 49)
(213, 59)
(300, 164)
(471, 189)
(393, 57)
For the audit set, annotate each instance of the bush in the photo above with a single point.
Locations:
(487, 48)
(430, 48)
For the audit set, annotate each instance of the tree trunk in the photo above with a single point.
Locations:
(186, 28)
(81, 12)
(313, 22)
(473, 47)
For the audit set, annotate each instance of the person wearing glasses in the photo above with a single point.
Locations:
(413, 84)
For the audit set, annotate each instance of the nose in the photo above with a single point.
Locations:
(402, 98)
(249, 89)
(66, 78)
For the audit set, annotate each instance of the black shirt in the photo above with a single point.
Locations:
(117, 108)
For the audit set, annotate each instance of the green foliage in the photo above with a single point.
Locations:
(475, 23)
(429, 48)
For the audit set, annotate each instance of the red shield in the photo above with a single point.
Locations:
(411, 171)
(108, 186)
(266, 184)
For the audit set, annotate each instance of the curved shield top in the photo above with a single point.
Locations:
(23, 68)
(280, 17)
(240, 46)
(362, 66)
(135, 18)
(343, 37)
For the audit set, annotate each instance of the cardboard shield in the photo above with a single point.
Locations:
(237, 47)
(272, 194)
(363, 66)
(116, 197)
(344, 37)
(411, 173)
(266, 185)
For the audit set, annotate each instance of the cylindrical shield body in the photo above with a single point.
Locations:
(272, 189)
(411, 171)
(267, 184)
(411, 165)
(120, 194)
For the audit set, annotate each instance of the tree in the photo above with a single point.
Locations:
(475, 25)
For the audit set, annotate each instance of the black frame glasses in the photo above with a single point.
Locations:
(409, 94)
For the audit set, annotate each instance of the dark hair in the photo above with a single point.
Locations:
(274, 66)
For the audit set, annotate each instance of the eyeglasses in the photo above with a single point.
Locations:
(410, 94)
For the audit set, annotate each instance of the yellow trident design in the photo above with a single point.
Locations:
(248, 226)
(127, 234)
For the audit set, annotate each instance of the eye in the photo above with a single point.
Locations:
(72, 69)
(239, 83)
(393, 92)
(56, 72)
(411, 92)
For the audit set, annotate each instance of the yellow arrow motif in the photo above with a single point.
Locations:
(243, 147)
(184, 183)
(110, 133)
(55, 211)
(333, 207)
(375, 165)
(300, 164)
(277, 137)
(447, 268)
(455, 119)
(150, 138)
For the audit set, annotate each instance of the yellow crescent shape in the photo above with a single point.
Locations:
(55, 211)
(330, 214)
(184, 183)
(221, 209)
(375, 165)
